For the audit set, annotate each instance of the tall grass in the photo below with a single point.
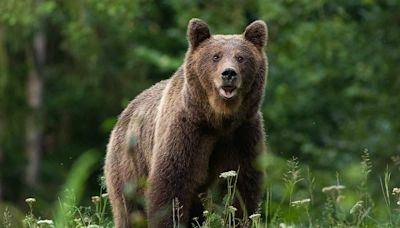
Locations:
(67, 213)
(291, 211)
(297, 201)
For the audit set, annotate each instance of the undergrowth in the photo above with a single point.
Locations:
(297, 202)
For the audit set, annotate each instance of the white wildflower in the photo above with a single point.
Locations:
(333, 188)
(205, 213)
(45, 222)
(30, 200)
(255, 220)
(232, 209)
(104, 195)
(254, 216)
(227, 174)
(298, 203)
(93, 226)
(95, 199)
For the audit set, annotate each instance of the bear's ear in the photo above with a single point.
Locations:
(197, 32)
(257, 33)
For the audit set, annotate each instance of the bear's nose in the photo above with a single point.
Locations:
(228, 74)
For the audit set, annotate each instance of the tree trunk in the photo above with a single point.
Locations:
(1, 148)
(1, 152)
(36, 60)
(3, 78)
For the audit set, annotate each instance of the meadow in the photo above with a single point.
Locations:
(296, 201)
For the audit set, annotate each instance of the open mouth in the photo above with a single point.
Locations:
(227, 92)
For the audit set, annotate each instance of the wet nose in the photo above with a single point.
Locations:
(228, 74)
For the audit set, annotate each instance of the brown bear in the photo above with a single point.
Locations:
(183, 132)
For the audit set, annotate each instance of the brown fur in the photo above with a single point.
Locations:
(181, 133)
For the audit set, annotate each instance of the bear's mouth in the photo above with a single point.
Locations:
(227, 92)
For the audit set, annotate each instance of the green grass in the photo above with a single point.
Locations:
(293, 200)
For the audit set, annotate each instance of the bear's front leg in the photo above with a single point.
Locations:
(179, 166)
(250, 138)
(249, 188)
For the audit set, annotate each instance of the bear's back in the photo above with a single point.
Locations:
(133, 134)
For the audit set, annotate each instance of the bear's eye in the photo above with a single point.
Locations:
(239, 59)
(216, 57)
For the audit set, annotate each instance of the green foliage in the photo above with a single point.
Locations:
(73, 190)
(333, 211)
(67, 212)
(332, 93)
(282, 211)
(329, 79)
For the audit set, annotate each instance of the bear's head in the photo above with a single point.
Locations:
(229, 69)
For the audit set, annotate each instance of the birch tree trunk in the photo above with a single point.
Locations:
(36, 58)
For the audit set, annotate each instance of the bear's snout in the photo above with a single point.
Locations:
(229, 75)
(229, 79)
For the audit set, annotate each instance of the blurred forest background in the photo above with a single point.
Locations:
(68, 68)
